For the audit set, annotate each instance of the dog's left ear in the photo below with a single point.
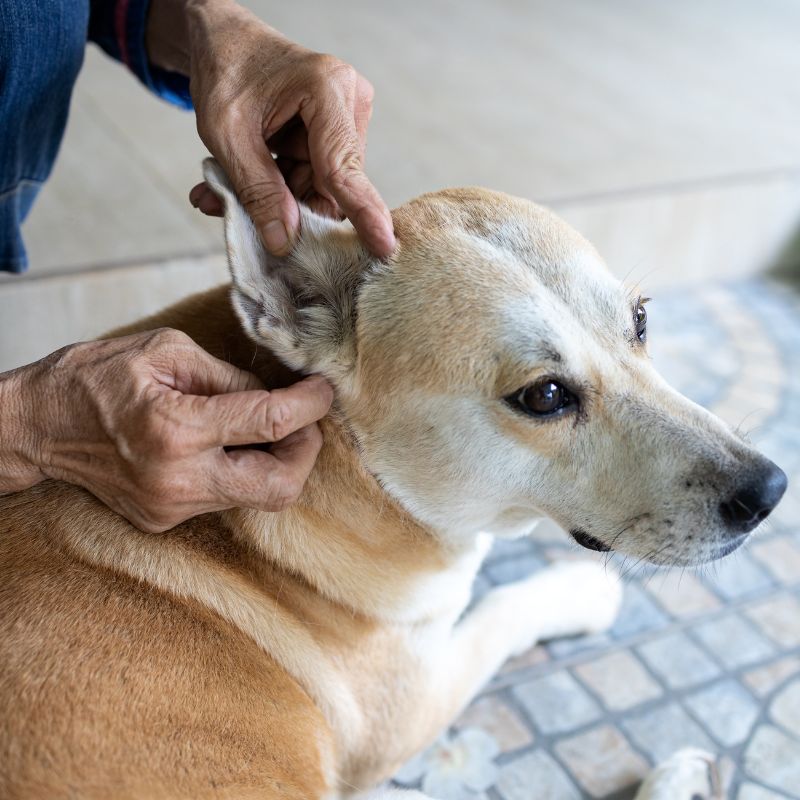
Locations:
(302, 306)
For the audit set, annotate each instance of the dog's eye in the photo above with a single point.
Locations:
(544, 398)
(640, 318)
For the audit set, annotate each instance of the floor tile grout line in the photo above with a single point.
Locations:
(674, 626)
(737, 752)
(670, 694)
(615, 719)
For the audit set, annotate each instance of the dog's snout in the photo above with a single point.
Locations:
(752, 502)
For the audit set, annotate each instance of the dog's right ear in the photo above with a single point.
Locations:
(302, 306)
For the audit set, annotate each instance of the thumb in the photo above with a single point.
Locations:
(263, 193)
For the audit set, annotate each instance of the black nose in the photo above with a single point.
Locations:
(753, 502)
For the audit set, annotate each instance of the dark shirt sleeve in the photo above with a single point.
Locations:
(118, 26)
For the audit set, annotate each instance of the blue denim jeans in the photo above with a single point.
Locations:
(41, 51)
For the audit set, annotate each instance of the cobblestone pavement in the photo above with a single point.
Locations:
(710, 657)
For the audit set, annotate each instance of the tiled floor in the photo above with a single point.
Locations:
(707, 657)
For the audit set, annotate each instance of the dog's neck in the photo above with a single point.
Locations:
(349, 540)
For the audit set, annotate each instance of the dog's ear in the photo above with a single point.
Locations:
(302, 306)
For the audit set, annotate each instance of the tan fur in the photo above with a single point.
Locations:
(307, 654)
(88, 602)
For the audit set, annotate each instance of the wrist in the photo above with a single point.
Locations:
(18, 465)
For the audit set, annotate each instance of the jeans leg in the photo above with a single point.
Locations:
(41, 51)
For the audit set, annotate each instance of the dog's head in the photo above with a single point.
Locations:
(493, 371)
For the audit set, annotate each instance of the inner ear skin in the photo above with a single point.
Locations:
(251, 309)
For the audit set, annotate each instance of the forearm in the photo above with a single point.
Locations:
(17, 438)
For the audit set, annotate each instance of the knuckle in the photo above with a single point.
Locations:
(168, 336)
(346, 74)
(327, 65)
(278, 420)
(346, 173)
(163, 339)
(366, 93)
(332, 75)
(261, 198)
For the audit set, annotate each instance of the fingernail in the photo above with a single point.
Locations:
(275, 237)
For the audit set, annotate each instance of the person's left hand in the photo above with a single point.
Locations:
(257, 93)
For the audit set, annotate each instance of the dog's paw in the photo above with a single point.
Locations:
(600, 588)
(585, 595)
(567, 599)
(689, 774)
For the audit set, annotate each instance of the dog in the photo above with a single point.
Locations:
(489, 374)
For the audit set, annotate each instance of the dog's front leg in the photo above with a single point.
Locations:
(456, 660)
(562, 600)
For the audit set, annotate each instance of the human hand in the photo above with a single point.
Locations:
(142, 421)
(257, 93)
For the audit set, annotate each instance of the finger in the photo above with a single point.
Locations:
(254, 417)
(270, 481)
(203, 198)
(263, 192)
(299, 178)
(185, 366)
(336, 157)
(291, 141)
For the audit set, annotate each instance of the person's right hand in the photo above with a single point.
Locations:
(257, 93)
(142, 422)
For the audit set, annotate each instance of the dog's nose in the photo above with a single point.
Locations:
(753, 502)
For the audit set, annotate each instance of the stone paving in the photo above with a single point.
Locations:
(707, 657)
